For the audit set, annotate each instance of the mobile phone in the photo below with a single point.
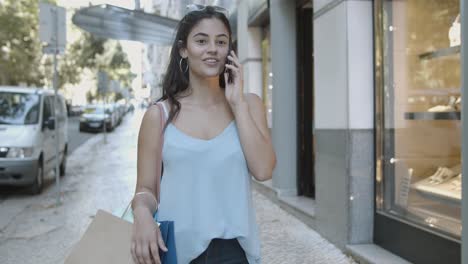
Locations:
(228, 61)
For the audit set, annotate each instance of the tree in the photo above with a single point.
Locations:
(20, 49)
(106, 55)
(21, 57)
(88, 47)
(89, 97)
(118, 96)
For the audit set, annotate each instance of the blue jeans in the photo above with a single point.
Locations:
(222, 251)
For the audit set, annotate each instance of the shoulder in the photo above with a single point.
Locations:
(153, 110)
(152, 115)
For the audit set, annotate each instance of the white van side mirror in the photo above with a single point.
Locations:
(50, 123)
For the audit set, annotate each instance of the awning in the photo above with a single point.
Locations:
(114, 22)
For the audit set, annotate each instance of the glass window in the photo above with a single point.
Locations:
(420, 128)
(18, 108)
(48, 107)
(61, 106)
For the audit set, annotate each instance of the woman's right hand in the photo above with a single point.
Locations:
(146, 238)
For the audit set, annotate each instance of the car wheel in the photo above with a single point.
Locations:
(38, 184)
(63, 164)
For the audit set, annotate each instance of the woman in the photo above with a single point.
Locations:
(215, 135)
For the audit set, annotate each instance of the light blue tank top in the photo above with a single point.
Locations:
(205, 190)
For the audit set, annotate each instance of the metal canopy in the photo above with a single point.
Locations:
(114, 22)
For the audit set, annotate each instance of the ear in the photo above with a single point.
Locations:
(183, 53)
(182, 49)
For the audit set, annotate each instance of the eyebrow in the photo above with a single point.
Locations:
(206, 35)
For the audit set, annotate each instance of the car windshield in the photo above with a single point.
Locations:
(19, 108)
(94, 110)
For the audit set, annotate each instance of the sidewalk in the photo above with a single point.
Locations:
(102, 176)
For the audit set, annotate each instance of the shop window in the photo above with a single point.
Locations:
(418, 115)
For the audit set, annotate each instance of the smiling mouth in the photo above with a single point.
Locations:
(211, 61)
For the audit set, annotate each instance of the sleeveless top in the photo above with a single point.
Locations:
(205, 190)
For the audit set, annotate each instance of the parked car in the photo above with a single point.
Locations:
(76, 110)
(27, 137)
(95, 117)
(114, 113)
(121, 106)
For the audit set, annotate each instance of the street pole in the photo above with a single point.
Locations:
(56, 103)
(54, 34)
(104, 122)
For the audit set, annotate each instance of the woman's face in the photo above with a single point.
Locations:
(207, 48)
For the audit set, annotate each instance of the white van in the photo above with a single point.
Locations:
(27, 138)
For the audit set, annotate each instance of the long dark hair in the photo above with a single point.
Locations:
(175, 81)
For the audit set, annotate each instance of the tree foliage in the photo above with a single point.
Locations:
(20, 49)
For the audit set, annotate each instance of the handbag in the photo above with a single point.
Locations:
(108, 238)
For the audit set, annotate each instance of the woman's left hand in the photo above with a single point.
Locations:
(234, 91)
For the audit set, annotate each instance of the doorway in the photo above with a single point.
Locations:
(305, 102)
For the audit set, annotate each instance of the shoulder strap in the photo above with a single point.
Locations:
(166, 113)
(159, 158)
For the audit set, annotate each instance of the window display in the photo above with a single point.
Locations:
(420, 131)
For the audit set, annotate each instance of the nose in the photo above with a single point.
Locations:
(212, 47)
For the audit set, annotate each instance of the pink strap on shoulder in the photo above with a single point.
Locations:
(159, 159)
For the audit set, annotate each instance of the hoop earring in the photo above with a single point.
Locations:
(180, 66)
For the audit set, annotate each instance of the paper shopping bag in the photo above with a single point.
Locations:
(106, 241)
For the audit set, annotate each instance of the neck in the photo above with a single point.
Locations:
(205, 91)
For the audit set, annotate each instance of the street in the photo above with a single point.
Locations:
(102, 176)
(75, 137)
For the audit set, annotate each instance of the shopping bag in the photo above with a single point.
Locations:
(108, 238)
(106, 241)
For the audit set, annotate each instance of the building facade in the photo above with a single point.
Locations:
(364, 105)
